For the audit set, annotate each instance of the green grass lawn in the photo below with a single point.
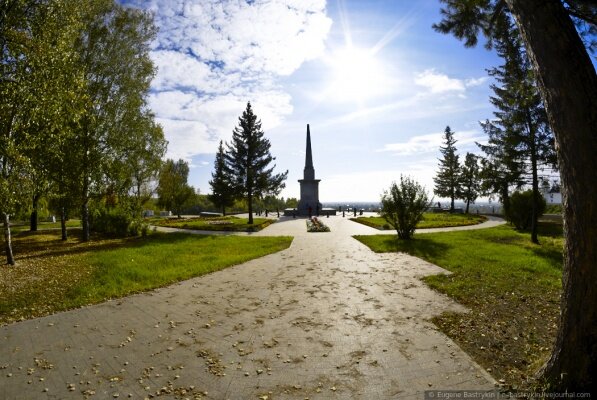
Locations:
(511, 286)
(227, 223)
(430, 220)
(52, 275)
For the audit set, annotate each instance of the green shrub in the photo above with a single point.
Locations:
(113, 221)
(116, 222)
(520, 212)
(403, 206)
(138, 227)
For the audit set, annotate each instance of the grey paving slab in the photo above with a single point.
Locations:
(325, 319)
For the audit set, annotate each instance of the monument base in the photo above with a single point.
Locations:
(295, 212)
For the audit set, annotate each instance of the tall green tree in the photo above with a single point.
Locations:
(139, 164)
(470, 181)
(173, 190)
(114, 57)
(568, 85)
(222, 191)
(501, 169)
(248, 159)
(447, 179)
(520, 121)
(36, 82)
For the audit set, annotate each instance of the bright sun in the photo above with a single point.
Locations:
(356, 75)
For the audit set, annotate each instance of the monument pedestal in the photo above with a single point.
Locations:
(309, 197)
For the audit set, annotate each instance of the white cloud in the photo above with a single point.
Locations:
(196, 124)
(213, 56)
(438, 82)
(430, 143)
(416, 144)
(475, 81)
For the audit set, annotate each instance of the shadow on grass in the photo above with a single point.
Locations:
(420, 246)
(548, 232)
(553, 254)
(552, 229)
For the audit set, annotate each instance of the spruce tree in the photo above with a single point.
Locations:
(248, 159)
(447, 180)
(222, 192)
(470, 181)
(500, 167)
(520, 129)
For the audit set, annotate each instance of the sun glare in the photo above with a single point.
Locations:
(356, 75)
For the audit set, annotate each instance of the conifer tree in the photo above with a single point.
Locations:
(248, 159)
(447, 180)
(520, 126)
(222, 192)
(470, 181)
(500, 168)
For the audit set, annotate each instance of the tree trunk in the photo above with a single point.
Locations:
(85, 209)
(63, 223)
(505, 200)
(33, 219)
(568, 84)
(535, 205)
(467, 204)
(452, 204)
(85, 220)
(10, 260)
(224, 211)
(250, 201)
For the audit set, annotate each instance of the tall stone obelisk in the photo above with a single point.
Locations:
(309, 185)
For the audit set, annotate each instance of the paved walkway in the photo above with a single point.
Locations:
(325, 319)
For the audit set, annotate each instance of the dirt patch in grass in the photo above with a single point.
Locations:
(510, 334)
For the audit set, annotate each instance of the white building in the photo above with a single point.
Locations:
(552, 195)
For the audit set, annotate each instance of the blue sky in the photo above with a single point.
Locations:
(375, 82)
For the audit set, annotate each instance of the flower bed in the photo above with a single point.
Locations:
(219, 222)
(315, 225)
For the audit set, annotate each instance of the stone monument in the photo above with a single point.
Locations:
(309, 185)
(309, 203)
